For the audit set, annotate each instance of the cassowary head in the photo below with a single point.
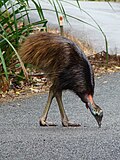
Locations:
(96, 111)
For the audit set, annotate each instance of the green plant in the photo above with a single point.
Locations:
(14, 26)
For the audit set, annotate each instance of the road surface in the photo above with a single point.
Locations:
(21, 137)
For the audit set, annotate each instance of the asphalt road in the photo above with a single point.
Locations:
(107, 17)
(21, 137)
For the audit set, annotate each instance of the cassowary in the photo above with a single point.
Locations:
(66, 66)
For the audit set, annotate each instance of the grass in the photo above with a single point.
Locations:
(15, 25)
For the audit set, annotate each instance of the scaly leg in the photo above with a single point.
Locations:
(43, 118)
(64, 118)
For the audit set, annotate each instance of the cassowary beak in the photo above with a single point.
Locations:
(96, 112)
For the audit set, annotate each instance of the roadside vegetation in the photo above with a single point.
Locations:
(15, 25)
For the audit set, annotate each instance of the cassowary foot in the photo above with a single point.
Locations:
(45, 123)
(70, 124)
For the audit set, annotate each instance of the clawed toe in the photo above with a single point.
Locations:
(45, 123)
(73, 124)
(70, 124)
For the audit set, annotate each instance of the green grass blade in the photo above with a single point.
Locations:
(100, 29)
(56, 11)
(22, 65)
(3, 64)
(39, 10)
(15, 20)
(111, 6)
(50, 1)
(78, 4)
(2, 3)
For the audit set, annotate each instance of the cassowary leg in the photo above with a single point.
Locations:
(43, 118)
(64, 118)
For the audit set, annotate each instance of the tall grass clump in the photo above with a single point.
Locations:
(15, 25)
